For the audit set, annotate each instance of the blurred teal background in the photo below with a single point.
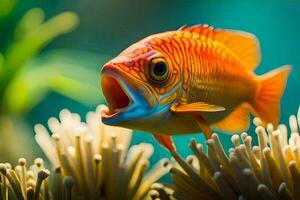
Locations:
(108, 26)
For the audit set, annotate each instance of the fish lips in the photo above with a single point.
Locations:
(127, 97)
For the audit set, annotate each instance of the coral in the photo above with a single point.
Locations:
(270, 170)
(23, 183)
(97, 157)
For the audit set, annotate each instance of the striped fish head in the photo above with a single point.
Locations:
(139, 85)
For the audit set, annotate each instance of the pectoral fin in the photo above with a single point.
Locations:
(166, 141)
(204, 126)
(196, 107)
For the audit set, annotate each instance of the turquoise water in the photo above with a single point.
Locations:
(107, 27)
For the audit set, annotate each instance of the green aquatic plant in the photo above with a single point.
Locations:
(27, 76)
(270, 170)
(98, 158)
(31, 34)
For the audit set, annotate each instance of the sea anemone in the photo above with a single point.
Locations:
(23, 183)
(270, 170)
(96, 156)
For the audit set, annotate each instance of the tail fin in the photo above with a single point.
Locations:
(267, 102)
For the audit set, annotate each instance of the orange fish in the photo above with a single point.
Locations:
(190, 80)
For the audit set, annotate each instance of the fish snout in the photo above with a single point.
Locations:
(109, 67)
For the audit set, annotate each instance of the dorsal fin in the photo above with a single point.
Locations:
(243, 44)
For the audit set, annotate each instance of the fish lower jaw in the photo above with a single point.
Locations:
(108, 114)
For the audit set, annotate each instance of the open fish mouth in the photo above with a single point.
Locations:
(128, 98)
(116, 96)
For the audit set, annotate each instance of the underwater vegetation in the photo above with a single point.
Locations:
(89, 161)
(30, 35)
(78, 164)
(270, 170)
(25, 183)
(28, 76)
(97, 157)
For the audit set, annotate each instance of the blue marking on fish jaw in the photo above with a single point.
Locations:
(139, 111)
(164, 120)
(138, 108)
(167, 113)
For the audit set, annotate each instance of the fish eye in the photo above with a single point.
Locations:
(158, 70)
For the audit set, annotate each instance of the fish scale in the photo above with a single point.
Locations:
(201, 69)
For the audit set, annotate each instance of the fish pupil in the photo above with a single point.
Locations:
(160, 69)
